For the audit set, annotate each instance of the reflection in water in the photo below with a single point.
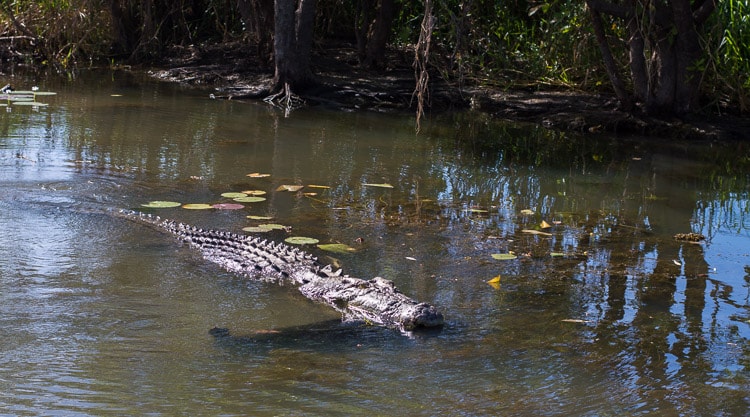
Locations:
(602, 313)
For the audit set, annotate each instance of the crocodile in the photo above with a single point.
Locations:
(376, 301)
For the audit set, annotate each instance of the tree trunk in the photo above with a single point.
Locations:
(378, 36)
(293, 33)
(670, 82)
(609, 62)
(638, 68)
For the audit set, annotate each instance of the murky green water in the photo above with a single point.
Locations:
(603, 313)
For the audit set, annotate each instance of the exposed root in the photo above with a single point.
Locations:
(285, 99)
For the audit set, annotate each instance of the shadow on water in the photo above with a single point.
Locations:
(326, 337)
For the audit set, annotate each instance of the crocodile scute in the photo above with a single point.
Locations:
(375, 301)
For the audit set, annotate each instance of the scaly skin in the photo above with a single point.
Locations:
(375, 301)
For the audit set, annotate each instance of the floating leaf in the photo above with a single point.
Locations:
(411, 258)
(477, 210)
(535, 232)
(557, 254)
(503, 256)
(292, 188)
(233, 195)
(254, 192)
(161, 204)
(574, 321)
(527, 212)
(272, 226)
(29, 103)
(318, 186)
(256, 229)
(495, 285)
(300, 240)
(198, 206)
(385, 185)
(495, 280)
(228, 206)
(337, 248)
(544, 225)
(252, 217)
(258, 175)
(310, 194)
(249, 199)
(44, 93)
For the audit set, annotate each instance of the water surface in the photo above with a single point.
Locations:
(603, 313)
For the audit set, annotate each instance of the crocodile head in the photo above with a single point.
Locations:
(422, 316)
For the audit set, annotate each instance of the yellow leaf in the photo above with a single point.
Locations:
(544, 225)
(535, 232)
(292, 188)
(386, 185)
(494, 280)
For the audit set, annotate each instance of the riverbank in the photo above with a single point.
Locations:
(236, 74)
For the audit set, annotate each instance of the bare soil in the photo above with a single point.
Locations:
(235, 73)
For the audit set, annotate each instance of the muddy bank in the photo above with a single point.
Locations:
(235, 73)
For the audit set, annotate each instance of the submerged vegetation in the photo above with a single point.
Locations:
(542, 44)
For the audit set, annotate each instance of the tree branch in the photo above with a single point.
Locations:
(609, 61)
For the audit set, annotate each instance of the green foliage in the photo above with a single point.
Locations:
(517, 44)
(79, 33)
(509, 44)
(729, 42)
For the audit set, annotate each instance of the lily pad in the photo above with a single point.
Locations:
(161, 204)
(527, 212)
(254, 192)
(256, 229)
(233, 195)
(503, 256)
(253, 217)
(249, 199)
(197, 206)
(301, 240)
(228, 206)
(384, 185)
(337, 248)
(29, 103)
(272, 226)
